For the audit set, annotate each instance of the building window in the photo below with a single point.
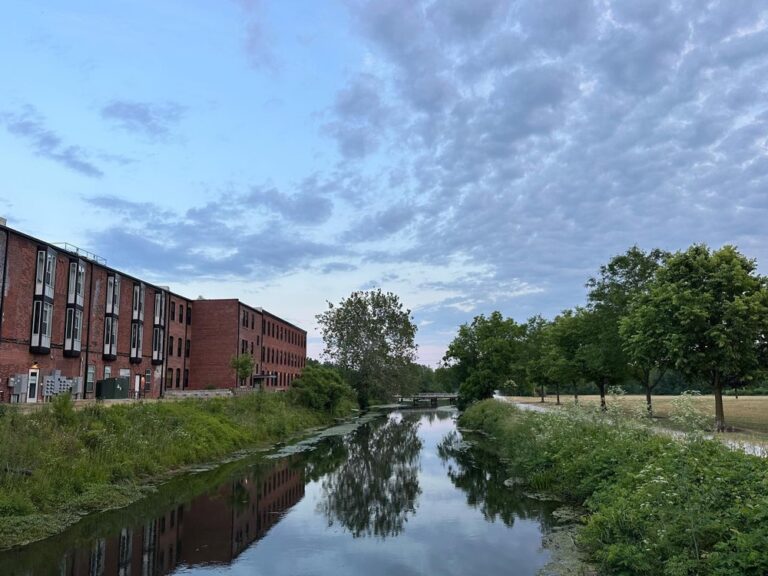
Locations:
(189, 314)
(138, 301)
(90, 378)
(173, 310)
(107, 372)
(159, 310)
(113, 294)
(178, 348)
(181, 315)
(50, 270)
(42, 317)
(157, 343)
(186, 377)
(186, 347)
(40, 272)
(178, 377)
(170, 346)
(73, 329)
(75, 290)
(110, 336)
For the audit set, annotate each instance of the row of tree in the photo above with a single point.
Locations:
(700, 313)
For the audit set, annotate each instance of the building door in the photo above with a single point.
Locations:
(136, 385)
(33, 383)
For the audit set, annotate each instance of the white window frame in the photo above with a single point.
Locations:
(158, 343)
(73, 330)
(110, 335)
(50, 273)
(40, 272)
(46, 325)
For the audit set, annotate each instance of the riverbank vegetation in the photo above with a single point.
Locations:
(655, 505)
(695, 319)
(59, 463)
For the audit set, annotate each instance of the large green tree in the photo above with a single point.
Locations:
(612, 293)
(707, 312)
(485, 353)
(370, 337)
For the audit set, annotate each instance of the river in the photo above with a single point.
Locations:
(402, 494)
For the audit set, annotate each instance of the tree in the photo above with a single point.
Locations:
(710, 310)
(618, 286)
(597, 355)
(243, 365)
(370, 337)
(485, 354)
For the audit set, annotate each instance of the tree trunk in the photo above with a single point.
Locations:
(557, 390)
(648, 401)
(602, 385)
(541, 389)
(719, 412)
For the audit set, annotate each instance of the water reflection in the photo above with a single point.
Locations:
(399, 495)
(481, 476)
(376, 487)
(212, 528)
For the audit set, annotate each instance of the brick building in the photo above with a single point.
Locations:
(68, 321)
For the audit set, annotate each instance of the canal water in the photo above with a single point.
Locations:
(403, 494)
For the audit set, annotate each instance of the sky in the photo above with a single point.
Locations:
(469, 156)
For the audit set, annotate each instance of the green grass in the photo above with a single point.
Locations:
(60, 463)
(656, 506)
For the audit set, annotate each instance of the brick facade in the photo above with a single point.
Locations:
(165, 356)
(283, 351)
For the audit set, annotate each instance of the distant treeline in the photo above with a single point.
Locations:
(654, 322)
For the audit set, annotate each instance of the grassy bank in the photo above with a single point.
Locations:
(58, 463)
(657, 506)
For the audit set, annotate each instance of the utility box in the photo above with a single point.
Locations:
(113, 388)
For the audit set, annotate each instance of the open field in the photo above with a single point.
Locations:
(748, 415)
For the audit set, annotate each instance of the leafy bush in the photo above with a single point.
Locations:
(658, 506)
(322, 388)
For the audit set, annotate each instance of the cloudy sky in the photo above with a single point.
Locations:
(469, 155)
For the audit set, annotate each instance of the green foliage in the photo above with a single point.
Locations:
(657, 506)
(707, 313)
(322, 388)
(484, 355)
(243, 365)
(59, 462)
(370, 337)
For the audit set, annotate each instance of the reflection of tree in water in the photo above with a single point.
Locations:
(325, 458)
(373, 492)
(481, 476)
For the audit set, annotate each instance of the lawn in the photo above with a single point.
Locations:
(748, 415)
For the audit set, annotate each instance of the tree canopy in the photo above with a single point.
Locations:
(370, 337)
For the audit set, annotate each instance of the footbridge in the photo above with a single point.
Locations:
(430, 398)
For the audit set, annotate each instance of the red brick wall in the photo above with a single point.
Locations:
(216, 328)
(285, 351)
(178, 330)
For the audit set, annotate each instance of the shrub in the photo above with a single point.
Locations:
(657, 505)
(322, 388)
